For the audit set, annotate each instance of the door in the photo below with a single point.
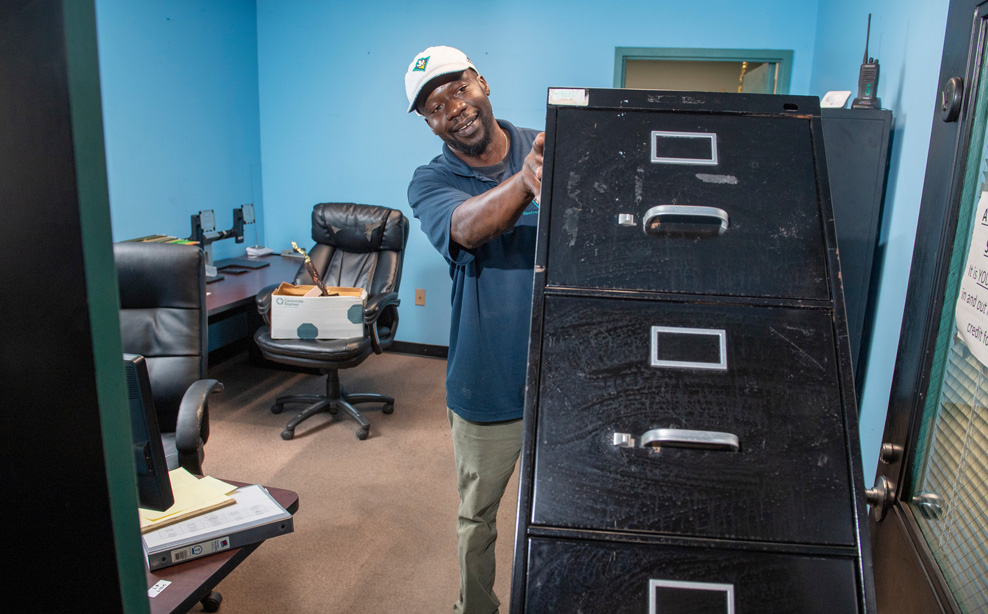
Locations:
(927, 519)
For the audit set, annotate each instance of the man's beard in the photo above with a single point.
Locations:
(478, 148)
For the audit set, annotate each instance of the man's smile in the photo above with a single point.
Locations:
(468, 127)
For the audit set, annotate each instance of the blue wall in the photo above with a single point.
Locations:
(333, 120)
(907, 38)
(206, 102)
(179, 87)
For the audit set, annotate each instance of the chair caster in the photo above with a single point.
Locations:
(212, 602)
(277, 408)
(288, 434)
(389, 408)
(362, 434)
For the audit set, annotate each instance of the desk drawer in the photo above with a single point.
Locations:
(736, 213)
(611, 578)
(699, 381)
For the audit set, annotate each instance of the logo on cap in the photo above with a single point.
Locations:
(420, 63)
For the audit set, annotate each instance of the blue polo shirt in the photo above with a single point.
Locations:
(492, 286)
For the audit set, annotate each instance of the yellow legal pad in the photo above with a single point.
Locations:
(193, 496)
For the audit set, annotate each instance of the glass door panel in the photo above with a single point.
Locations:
(949, 480)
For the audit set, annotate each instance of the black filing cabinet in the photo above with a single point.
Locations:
(690, 435)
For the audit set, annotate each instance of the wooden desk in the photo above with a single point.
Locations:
(192, 581)
(235, 292)
(233, 296)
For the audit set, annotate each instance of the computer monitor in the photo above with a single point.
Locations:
(241, 217)
(238, 225)
(154, 489)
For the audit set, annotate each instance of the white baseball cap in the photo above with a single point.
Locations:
(429, 64)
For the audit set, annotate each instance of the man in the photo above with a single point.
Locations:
(477, 202)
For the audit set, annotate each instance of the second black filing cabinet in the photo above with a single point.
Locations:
(690, 441)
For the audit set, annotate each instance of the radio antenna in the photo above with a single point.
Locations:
(867, 36)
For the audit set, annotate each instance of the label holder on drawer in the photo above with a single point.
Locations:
(688, 592)
(682, 352)
(684, 145)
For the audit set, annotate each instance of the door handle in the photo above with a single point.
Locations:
(930, 505)
(880, 497)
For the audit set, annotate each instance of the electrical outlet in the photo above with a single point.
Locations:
(419, 296)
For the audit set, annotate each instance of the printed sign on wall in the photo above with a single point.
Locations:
(972, 302)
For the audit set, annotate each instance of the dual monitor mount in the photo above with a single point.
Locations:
(204, 233)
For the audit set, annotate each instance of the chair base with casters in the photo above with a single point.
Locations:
(315, 354)
(334, 400)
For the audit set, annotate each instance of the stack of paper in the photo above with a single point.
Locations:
(193, 496)
(259, 250)
(255, 517)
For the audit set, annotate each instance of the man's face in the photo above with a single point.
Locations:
(459, 112)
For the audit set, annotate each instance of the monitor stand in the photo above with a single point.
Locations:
(211, 274)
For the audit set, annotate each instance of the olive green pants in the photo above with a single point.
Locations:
(485, 455)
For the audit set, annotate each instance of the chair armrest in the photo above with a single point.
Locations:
(381, 319)
(263, 301)
(375, 304)
(192, 427)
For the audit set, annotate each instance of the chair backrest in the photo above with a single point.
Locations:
(163, 317)
(359, 246)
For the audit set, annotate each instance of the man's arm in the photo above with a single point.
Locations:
(479, 219)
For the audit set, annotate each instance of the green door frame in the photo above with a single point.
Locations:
(782, 57)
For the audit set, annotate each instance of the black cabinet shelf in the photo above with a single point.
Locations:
(858, 143)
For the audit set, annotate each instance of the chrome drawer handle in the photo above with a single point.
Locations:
(711, 217)
(681, 438)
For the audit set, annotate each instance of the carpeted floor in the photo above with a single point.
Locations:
(376, 527)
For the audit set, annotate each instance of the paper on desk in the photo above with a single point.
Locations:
(259, 250)
(254, 507)
(192, 496)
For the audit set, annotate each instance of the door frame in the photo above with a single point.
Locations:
(782, 57)
(902, 559)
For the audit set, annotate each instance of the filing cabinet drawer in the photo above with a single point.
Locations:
(732, 207)
(737, 408)
(613, 578)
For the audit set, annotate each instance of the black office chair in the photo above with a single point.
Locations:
(359, 246)
(163, 318)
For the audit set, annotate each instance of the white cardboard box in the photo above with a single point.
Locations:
(296, 316)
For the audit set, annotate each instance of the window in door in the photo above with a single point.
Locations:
(763, 71)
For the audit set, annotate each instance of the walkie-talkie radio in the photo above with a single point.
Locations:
(867, 80)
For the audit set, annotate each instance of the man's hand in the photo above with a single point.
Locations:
(479, 219)
(532, 171)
